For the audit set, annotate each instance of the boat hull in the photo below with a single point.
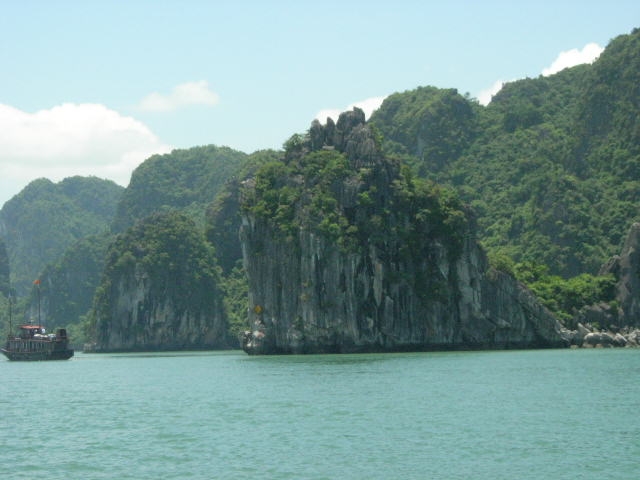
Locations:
(38, 356)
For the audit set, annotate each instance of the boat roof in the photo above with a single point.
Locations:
(30, 327)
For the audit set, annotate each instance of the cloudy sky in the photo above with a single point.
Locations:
(94, 88)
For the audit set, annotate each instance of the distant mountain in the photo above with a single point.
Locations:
(45, 218)
(203, 183)
(551, 166)
(186, 180)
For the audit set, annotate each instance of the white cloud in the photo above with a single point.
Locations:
(484, 97)
(70, 139)
(573, 57)
(566, 59)
(183, 95)
(368, 106)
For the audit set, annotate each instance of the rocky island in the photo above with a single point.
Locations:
(346, 252)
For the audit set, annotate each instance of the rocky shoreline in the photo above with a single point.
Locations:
(589, 337)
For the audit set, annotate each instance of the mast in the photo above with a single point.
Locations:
(10, 325)
(37, 284)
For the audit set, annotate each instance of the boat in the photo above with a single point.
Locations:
(32, 343)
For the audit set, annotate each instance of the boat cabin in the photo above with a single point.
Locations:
(28, 331)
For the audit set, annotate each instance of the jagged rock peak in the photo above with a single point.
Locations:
(350, 135)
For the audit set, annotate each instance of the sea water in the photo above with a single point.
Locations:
(548, 414)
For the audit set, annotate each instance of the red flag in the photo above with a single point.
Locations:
(36, 282)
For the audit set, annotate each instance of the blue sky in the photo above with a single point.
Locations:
(95, 87)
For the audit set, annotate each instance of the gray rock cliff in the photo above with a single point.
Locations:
(138, 321)
(412, 282)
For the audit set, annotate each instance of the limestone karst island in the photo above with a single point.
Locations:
(437, 223)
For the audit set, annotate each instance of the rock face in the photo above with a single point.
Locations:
(323, 301)
(390, 293)
(137, 321)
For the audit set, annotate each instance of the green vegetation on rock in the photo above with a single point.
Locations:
(354, 198)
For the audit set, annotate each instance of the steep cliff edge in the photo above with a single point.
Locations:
(346, 252)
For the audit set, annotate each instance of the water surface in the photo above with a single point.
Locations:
(554, 414)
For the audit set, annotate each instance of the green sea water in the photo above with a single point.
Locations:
(550, 414)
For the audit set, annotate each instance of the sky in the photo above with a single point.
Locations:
(92, 87)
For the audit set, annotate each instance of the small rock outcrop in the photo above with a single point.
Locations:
(626, 267)
(616, 324)
(372, 260)
(595, 338)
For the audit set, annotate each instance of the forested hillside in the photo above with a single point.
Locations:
(183, 179)
(46, 218)
(550, 166)
(42, 218)
(223, 214)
